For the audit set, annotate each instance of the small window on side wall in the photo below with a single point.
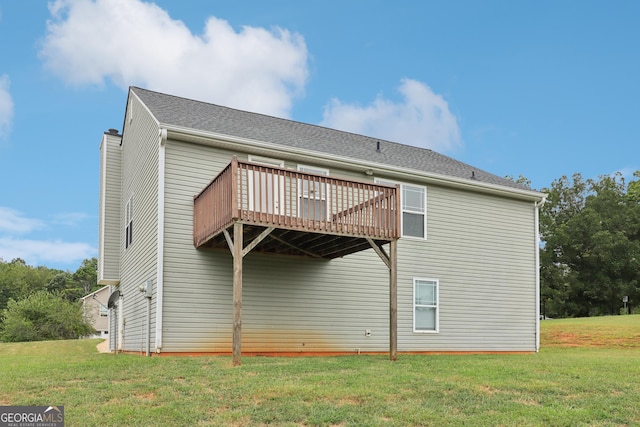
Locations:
(128, 223)
(426, 305)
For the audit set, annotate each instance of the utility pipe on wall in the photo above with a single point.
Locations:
(537, 207)
(146, 289)
(120, 344)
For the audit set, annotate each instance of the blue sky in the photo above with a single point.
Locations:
(534, 88)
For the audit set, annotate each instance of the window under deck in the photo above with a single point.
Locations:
(295, 213)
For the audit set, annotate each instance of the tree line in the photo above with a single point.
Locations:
(40, 303)
(590, 246)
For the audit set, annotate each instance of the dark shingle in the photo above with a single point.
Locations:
(173, 110)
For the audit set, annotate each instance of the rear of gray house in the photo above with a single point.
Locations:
(225, 231)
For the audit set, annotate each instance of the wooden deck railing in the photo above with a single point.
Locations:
(282, 198)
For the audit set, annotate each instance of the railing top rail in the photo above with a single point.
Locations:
(225, 169)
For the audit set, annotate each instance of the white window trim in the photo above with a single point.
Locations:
(437, 306)
(267, 161)
(402, 184)
(128, 223)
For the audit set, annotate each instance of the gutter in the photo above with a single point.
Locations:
(269, 149)
(160, 238)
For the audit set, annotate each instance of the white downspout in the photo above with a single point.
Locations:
(537, 206)
(160, 242)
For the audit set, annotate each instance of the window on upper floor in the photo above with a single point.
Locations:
(414, 209)
(425, 305)
(128, 223)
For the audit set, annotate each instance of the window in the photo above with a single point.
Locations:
(313, 195)
(128, 223)
(414, 209)
(425, 305)
(104, 311)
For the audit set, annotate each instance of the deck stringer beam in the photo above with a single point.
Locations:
(255, 242)
(284, 242)
(228, 238)
(380, 251)
(259, 238)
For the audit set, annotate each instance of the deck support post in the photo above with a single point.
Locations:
(237, 293)
(391, 261)
(393, 300)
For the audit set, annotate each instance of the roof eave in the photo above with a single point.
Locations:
(294, 153)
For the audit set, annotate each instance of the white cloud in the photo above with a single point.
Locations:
(6, 106)
(14, 222)
(130, 42)
(422, 118)
(39, 252)
(14, 226)
(70, 219)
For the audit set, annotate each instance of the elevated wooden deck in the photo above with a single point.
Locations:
(295, 213)
(251, 207)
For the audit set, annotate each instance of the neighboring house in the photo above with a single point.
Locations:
(94, 308)
(226, 231)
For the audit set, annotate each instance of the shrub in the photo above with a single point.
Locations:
(43, 316)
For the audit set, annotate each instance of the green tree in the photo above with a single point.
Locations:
(43, 316)
(633, 191)
(73, 286)
(64, 285)
(591, 246)
(522, 180)
(86, 276)
(18, 280)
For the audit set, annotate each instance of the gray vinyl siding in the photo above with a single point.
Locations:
(140, 149)
(290, 304)
(109, 222)
(479, 247)
(195, 283)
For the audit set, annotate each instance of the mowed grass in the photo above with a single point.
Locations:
(607, 332)
(586, 374)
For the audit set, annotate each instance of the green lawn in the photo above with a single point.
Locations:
(587, 373)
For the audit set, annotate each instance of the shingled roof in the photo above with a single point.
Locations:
(186, 113)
